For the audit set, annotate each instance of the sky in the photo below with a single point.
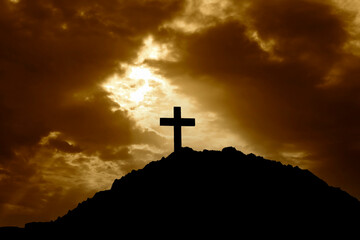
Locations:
(83, 84)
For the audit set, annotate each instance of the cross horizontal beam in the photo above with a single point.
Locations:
(175, 122)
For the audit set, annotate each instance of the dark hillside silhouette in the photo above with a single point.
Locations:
(211, 193)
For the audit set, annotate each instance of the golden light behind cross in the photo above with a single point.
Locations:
(146, 95)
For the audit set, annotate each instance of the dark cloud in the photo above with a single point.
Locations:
(298, 94)
(64, 146)
(53, 57)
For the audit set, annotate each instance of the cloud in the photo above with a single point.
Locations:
(54, 56)
(64, 146)
(290, 83)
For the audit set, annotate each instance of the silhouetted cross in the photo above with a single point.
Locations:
(177, 122)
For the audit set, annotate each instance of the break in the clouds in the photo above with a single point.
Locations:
(282, 76)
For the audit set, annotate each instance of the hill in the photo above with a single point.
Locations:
(210, 193)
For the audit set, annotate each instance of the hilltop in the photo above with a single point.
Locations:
(207, 193)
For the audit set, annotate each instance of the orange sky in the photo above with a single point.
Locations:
(84, 83)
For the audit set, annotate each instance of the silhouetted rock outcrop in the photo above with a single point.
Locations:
(212, 193)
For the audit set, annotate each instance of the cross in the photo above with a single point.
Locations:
(177, 122)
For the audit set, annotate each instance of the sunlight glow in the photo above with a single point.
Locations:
(151, 50)
(135, 89)
(141, 72)
(146, 95)
(137, 86)
(154, 51)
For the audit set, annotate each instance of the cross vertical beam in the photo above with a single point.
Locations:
(177, 122)
(177, 129)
